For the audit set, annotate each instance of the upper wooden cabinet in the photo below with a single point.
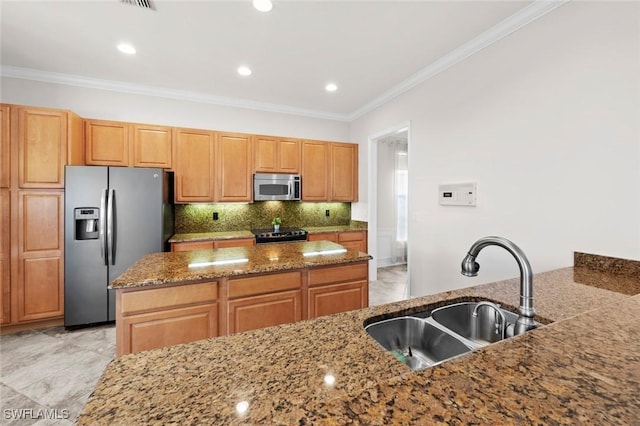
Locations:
(107, 143)
(152, 146)
(194, 166)
(46, 140)
(235, 167)
(344, 172)
(329, 171)
(315, 171)
(5, 138)
(277, 155)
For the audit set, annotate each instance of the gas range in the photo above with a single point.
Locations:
(285, 234)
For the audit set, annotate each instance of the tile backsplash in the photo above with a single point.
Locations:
(192, 218)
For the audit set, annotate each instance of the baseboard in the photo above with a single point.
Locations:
(15, 328)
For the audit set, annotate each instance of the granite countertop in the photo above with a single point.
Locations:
(582, 368)
(339, 228)
(208, 236)
(174, 267)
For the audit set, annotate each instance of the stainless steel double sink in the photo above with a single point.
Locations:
(429, 338)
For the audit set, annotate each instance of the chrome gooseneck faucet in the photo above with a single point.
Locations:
(470, 268)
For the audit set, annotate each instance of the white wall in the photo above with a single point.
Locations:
(102, 104)
(547, 122)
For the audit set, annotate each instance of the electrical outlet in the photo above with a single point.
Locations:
(215, 215)
(327, 213)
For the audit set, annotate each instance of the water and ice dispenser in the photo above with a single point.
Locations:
(87, 223)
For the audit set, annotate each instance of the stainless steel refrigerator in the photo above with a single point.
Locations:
(113, 216)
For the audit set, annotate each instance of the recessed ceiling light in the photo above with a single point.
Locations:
(263, 5)
(127, 48)
(243, 70)
(331, 87)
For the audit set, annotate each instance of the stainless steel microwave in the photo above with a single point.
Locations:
(271, 187)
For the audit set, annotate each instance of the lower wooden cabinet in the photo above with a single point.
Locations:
(153, 317)
(148, 318)
(338, 289)
(350, 239)
(212, 244)
(254, 312)
(169, 327)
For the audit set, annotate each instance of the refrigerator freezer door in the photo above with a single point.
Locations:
(85, 278)
(136, 198)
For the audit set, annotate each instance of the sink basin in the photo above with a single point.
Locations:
(415, 342)
(482, 330)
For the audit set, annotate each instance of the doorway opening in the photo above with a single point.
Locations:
(388, 214)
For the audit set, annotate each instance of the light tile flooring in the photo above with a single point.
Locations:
(47, 375)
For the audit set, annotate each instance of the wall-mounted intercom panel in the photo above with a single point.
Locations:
(458, 194)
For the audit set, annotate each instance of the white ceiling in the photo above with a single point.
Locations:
(191, 49)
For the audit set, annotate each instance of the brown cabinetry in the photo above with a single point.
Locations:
(344, 172)
(40, 247)
(154, 318)
(329, 171)
(277, 155)
(44, 140)
(350, 239)
(5, 258)
(107, 143)
(338, 289)
(235, 167)
(194, 168)
(315, 171)
(5, 138)
(264, 301)
(152, 146)
(211, 244)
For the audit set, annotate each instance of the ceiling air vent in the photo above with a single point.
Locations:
(145, 4)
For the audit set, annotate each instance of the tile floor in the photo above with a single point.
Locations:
(47, 375)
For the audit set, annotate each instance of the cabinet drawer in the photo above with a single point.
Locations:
(237, 242)
(242, 287)
(351, 236)
(161, 298)
(195, 245)
(336, 274)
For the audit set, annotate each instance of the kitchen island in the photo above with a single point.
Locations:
(179, 297)
(582, 368)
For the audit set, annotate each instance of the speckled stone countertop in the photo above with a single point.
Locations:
(341, 228)
(584, 368)
(207, 236)
(174, 267)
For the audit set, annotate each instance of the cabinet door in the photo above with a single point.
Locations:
(353, 239)
(40, 280)
(5, 146)
(42, 147)
(5, 259)
(289, 156)
(235, 167)
(315, 171)
(152, 146)
(344, 172)
(194, 168)
(168, 327)
(107, 143)
(255, 312)
(266, 149)
(332, 299)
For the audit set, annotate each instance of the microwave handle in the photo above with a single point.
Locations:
(290, 189)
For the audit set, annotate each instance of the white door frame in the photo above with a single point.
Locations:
(373, 198)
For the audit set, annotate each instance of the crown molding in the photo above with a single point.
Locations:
(182, 95)
(509, 25)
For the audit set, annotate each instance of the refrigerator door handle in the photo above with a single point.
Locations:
(111, 250)
(102, 227)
